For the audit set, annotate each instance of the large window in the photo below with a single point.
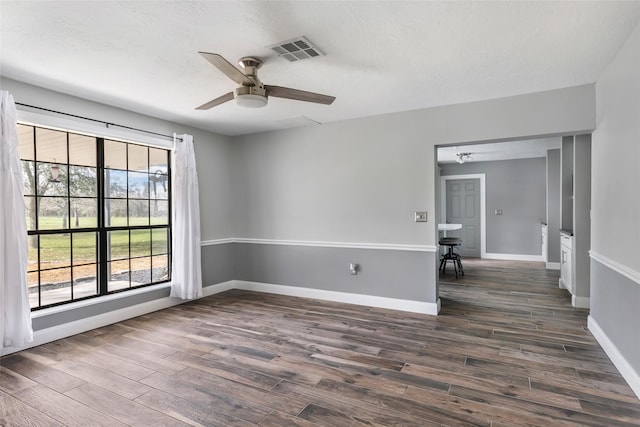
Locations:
(98, 215)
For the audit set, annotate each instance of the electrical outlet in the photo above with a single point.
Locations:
(353, 268)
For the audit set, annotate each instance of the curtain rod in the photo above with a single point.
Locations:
(107, 124)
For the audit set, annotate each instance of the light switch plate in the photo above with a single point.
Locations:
(421, 217)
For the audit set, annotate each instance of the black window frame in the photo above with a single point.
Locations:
(101, 229)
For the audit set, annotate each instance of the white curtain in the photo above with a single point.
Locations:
(186, 272)
(15, 314)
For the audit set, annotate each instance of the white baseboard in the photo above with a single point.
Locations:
(553, 265)
(626, 370)
(563, 285)
(349, 298)
(580, 302)
(57, 332)
(513, 257)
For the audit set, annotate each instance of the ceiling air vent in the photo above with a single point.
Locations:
(296, 49)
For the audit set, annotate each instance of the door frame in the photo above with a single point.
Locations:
(483, 204)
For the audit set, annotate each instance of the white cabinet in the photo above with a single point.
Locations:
(566, 265)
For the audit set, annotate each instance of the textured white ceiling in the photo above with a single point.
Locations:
(381, 56)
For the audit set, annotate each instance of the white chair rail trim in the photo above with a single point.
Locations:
(615, 266)
(349, 245)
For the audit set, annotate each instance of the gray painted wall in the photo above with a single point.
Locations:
(62, 317)
(566, 183)
(437, 216)
(361, 180)
(615, 205)
(615, 212)
(553, 205)
(218, 264)
(581, 214)
(615, 300)
(383, 273)
(518, 187)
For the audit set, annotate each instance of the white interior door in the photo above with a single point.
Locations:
(463, 207)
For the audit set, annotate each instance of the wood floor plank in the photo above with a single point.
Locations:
(626, 413)
(496, 384)
(43, 374)
(278, 419)
(227, 370)
(325, 406)
(554, 415)
(243, 392)
(14, 413)
(155, 363)
(103, 378)
(121, 408)
(582, 392)
(263, 367)
(135, 345)
(497, 415)
(64, 409)
(208, 397)
(434, 412)
(12, 382)
(189, 411)
(558, 358)
(329, 417)
(116, 365)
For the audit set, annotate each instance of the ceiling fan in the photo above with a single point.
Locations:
(252, 92)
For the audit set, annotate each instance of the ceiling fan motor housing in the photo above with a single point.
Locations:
(250, 64)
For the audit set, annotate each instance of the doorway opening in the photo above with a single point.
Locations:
(497, 193)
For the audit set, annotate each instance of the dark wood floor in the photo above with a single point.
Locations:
(507, 350)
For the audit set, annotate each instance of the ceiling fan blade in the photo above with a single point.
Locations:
(298, 95)
(227, 68)
(219, 100)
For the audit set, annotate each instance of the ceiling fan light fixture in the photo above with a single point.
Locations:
(251, 97)
(250, 100)
(463, 157)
